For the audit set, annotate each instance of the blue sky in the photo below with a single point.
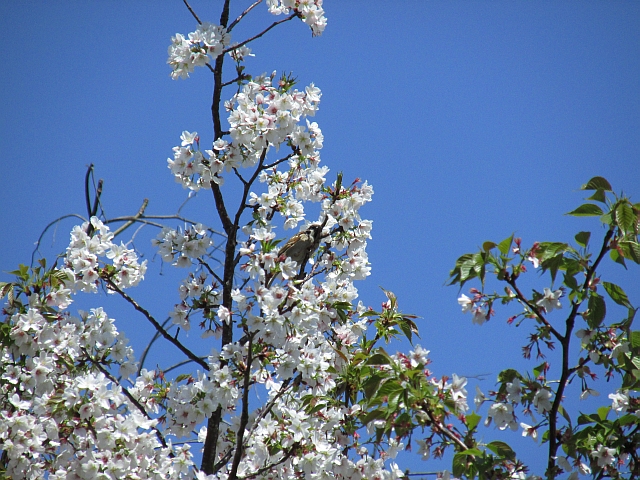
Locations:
(472, 121)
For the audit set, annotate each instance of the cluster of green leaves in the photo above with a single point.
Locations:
(611, 345)
(397, 398)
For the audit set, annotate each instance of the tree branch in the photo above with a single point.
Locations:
(192, 12)
(157, 325)
(565, 341)
(243, 14)
(127, 394)
(536, 311)
(244, 416)
(442, 429)
(133, 219)
(255, 37)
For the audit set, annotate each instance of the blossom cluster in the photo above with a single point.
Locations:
(261, 116)
(63, 415)
(180, 248)
(310, 11)
(84, 264)
(198, 49)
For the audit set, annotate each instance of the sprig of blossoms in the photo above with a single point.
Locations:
(180, 248)
(191, 167)
(83, 259)
(202, 46)
(62, 416)
(310, 11)
(262, 115)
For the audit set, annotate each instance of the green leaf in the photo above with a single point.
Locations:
(616, 257)
(617, 294)
(502, 449)
(472, 420)
(505, 245)
(5, 287)
(488, 246)
(459, 465)
(585, 419)
(565, 414)
(539, 369)
(553, 264)
(587, 210)
(389, 389)
(508, 375)
(631, 250)
(571, 282)
(603, 412)
(370, 386)
(597, 183)
(373, 415)
(635, 339)
(582, 238)
(597, 311)
(598, 196)
(183, 376)
(547, 250)
(463, 270)
(409, 328)
(626, 218)
(470, 452)
(628, 420)
(379, 358)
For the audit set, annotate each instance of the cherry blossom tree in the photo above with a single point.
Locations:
(298, 383)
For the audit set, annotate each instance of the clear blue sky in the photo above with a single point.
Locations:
(472, 120)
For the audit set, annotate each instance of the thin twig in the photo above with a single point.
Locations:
(231, 82)
(192, 12)
(156, 335)
(536, 311)
(49, 225)
(129, 396)
(177, 365)
(135, 218)
(243, 14)
(285, 457)
(211, 272)
(278, 162)
(443, 430)
(255, 37)
(87, 195)
(157, 325)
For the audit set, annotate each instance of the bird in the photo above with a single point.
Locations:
(302, 245)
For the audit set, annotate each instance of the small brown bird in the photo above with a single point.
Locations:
(302, 245)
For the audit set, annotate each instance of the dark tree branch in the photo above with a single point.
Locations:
(255, 37)
(127, 394)
(244, 416)
(111, 285)
(192, 12)
(566, 371)
(243, 14)
(155, 337)
(75, 215)
(536, 311)
(134, 219)
(211, 272)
